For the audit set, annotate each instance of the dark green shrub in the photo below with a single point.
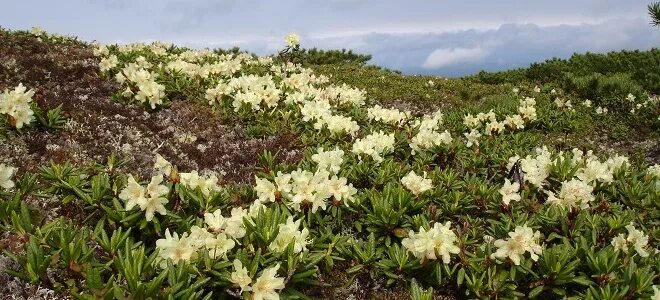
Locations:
(609, 91)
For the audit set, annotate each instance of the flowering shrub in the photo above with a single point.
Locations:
(475, 201)
(17, 109)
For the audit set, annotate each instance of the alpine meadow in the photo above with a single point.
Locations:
(157, 171)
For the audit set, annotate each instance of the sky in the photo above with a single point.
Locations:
(440, 37)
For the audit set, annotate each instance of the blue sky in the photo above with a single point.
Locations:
(444, 37)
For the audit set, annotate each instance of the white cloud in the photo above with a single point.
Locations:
(443, 57)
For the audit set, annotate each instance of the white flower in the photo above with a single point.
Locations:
(6, 172)
(292, 40)
(654, 171)
(175, 248)
(329, 160)
(617, 162)
(638, 240)
(509, 192)
(155, 200)
(150, 91)
(656, 293)
(472, 138)
(528, 112)
(340, 190)
(344, 94)
(162, 166)
(22, 115)
(337, 124)
(471, 121)
(522, 240)
(375, 145)
(427, 138)
(601, 110)
(16, 104)
(594, 170)
(309, 189)
(282, 181)
(315, 110)
(201, 237)
(107, 63)
(240, 276)
(436, 243)
(494, 127)
(193, 181)
(587, 103)
(619, 243)
(416, 184)
(133, 194)
(563, 104)
(35, 30)
(232, 226)
(289, 233)
(430, 121)
(387, 116)
(536, 168)
(266, 285)
(515, 122)
(573, 193)
(265, 190)
(215, 221)
(220, 246)
(528, 101)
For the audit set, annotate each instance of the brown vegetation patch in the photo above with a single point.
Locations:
(188, 134)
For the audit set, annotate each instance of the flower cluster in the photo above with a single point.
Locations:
(536, 168)
(233, 225)
(387, 116)
(416, 184)
(491, 126)
(207, 184)
(330, 160)
(651, 100)
(439, 242)
(292, 40)
(564, 104)
(428, 135)
(636, 239)
(509, 192)
(345, 94)
(320, 111)
(522, 239)
(289, 233)
(374, 145)
(141, 84)
(151, 199)
(573, 193)
(266, 285)
(216, 239)
(304, 189)
(16, 105)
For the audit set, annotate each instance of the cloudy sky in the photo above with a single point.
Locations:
(444, 37)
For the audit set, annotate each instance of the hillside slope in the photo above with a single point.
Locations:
(198, 174)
